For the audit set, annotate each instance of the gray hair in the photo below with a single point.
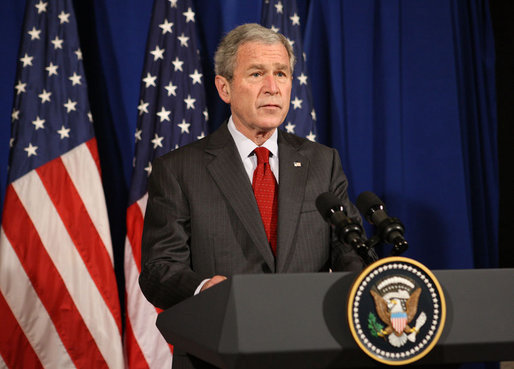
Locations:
(225, 56)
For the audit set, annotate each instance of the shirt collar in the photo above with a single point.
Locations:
(245, 146)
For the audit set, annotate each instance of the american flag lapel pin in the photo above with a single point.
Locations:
(297, 164)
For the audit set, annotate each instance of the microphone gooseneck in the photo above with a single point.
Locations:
(390, 229)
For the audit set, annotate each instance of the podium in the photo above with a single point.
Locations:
(299, 321)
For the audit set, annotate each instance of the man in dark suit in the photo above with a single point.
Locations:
(203, 221)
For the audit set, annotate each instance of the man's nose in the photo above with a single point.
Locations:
(270, 85)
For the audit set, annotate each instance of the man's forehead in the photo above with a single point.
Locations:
(279, 66)
(253, 51)
(252, 46)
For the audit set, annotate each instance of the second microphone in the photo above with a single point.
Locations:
(347, 230)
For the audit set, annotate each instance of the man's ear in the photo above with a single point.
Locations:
(223, 87)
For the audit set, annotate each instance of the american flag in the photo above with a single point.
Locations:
(59, 304)
(171, 113)
(282, 16)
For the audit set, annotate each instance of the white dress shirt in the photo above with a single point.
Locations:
(245, 147)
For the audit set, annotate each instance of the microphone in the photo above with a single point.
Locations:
(391, 230)
(347, 230)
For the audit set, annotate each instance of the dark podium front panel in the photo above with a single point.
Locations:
(299, 321)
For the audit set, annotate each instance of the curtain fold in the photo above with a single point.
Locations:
(474, 51)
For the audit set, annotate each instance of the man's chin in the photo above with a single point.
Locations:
(267, 127)
(271, 122)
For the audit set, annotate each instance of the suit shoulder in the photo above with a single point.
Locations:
(220, 138)
(187, 151)
(304, 144)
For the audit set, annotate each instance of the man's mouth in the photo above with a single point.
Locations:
(271, 106)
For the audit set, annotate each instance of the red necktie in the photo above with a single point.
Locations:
(266, 193)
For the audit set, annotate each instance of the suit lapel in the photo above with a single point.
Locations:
(293, 169)
(228, 172)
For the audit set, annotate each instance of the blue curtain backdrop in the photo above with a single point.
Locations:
(403, 89)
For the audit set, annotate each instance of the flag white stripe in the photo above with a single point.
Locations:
(84, 174)
(142, 316)
(71, 267)
(142, 203)
(29, 311)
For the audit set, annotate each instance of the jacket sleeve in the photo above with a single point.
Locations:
(166, 276)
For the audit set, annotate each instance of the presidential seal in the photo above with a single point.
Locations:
(396, 310)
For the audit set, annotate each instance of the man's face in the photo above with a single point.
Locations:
(259, 93)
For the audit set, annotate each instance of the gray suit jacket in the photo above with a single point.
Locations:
(202, 218)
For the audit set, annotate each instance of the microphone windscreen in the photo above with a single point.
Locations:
(326, 202)
(366, 201)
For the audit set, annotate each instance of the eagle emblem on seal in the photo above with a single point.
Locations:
(396, 302)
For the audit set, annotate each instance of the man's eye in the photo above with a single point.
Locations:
(281, 74)
(256, 74)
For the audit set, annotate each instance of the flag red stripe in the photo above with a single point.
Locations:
(135, 223)
(146, 354)
(93, 148)
(82, 231)
(13, 336)
(135, 357)
(49, 285)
